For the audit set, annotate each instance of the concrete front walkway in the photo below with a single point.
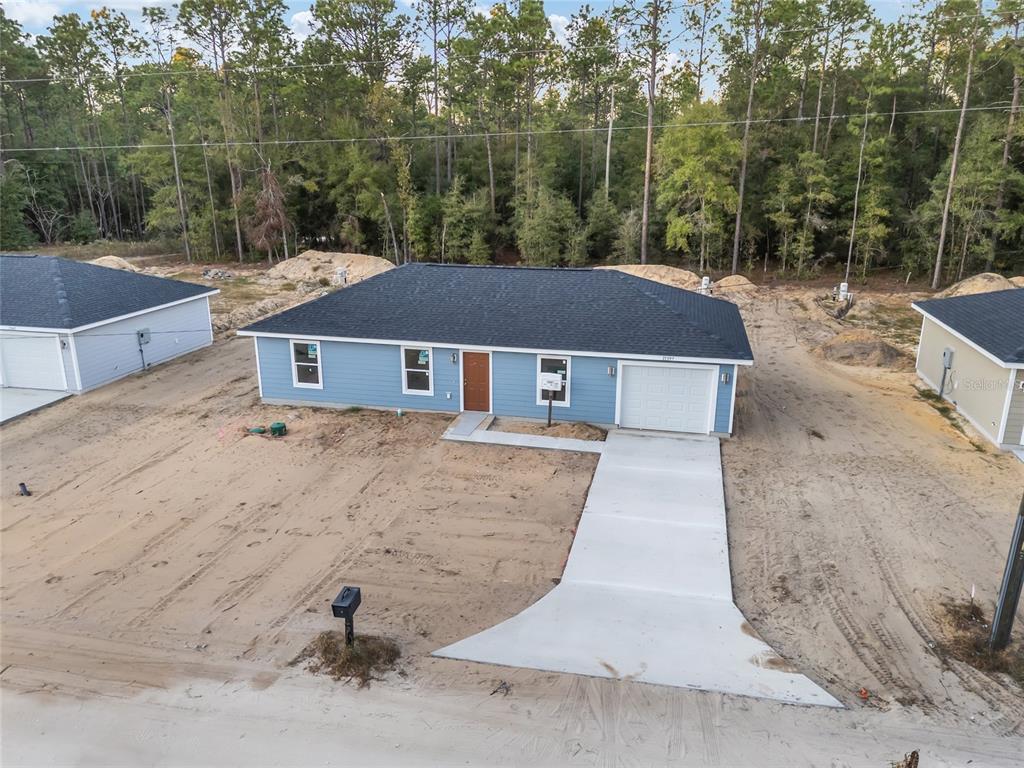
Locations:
(647, 593)
(15, 402)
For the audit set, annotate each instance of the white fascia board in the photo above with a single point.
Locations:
(99, 323)
(966, 340)
(524, 350)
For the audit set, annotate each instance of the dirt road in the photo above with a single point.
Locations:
(854, 510)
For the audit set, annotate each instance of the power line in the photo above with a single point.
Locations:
(495, 134)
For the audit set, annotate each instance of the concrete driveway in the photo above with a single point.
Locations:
(15, 401)
(647, 593)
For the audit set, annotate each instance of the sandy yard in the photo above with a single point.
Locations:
(155, 521)
(168, 567)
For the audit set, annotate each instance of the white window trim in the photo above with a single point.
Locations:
(319, 363)
(568, 381)
(429, 391)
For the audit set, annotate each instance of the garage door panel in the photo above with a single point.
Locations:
(31, 361)
(666, 398)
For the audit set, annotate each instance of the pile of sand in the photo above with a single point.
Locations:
(114, 262)
(983, 283)
(857, 347)
(659, 273)
(734, 284)
(310, 266)
(1017, 281)
(250, 313)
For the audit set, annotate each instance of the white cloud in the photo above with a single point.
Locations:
(32, 14)
(671, 60)
(560, 26)
(482, 10)
(302, 25)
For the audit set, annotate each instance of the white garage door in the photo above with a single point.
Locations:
(668, 398)
(31, 361)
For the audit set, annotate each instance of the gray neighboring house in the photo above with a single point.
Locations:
(972, 350)
(73, 326)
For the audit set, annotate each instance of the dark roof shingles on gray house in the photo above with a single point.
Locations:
(51, 292)
(570, 310)
(993, 321)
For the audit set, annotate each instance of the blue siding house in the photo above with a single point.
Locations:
(72, 326)
(606, 347)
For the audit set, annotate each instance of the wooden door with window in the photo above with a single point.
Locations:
(476, 381)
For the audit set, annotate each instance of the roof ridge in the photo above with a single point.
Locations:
(634, 282)
(62, 291)
(510, 267)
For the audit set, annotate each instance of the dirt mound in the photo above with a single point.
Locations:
(1017, 281)
(577, 430)
(734, 283)
(114, 262)
(659, 273)
(250, 313)
(983, 283)
(858, 347)
(311, 266)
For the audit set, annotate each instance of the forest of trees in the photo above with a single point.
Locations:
(782, 135)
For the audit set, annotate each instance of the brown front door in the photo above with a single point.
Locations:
(476, 381)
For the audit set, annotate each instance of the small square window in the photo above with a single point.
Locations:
(417, 373)
(306, 364)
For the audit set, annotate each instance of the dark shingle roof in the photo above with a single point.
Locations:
(50, 292)
(993, 321)
(571, 310)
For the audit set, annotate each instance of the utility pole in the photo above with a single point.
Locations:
(1009, 591)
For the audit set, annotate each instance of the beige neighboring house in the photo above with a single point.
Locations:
(972, 352)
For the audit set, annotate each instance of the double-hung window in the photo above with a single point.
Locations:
(417, 373)
(306, 369)
(557, 365)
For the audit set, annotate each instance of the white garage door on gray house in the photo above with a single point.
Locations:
(972, 352)
(72, 326)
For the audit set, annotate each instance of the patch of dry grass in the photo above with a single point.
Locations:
(966, 632)
(365, 660)
(909, 761)
(124, 249)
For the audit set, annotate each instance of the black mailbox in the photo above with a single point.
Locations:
(345, 604)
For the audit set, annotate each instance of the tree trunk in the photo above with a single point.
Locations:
(937, 275)
(856, 189)
(579, 184)
(608, 145)
(1001, 193)
(490, 158)
(437, 111)
(745, 151)
(177, 177)
(652, 82)
(821, 81)
(213, 207)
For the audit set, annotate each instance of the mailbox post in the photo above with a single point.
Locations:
(344, 607)
(551, 383)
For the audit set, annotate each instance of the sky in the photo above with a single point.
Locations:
(35, 15)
